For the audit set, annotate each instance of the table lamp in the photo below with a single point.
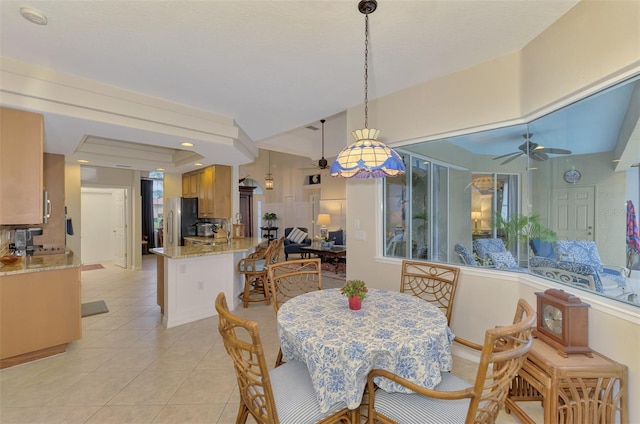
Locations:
(475, 215)
(323, 220)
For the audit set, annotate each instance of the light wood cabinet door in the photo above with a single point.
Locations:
(207, 193)
(53, 232)
(190, 184)
(21, 147)
(221, 207)
(39, 310)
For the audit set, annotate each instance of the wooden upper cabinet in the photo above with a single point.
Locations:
(212, 188)
(21, 148)
(53, 232)
(190, 184)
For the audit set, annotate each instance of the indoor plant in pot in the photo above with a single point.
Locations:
(269, 217)
(355, 291)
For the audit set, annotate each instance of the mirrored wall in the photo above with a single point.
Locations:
(549, 197)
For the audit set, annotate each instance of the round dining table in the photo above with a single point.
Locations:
(393, 331)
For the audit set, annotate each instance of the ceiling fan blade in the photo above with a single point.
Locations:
(512, 158)
(539, 156)
(555, 151)
(508, 154)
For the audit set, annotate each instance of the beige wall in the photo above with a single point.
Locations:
(595, 44)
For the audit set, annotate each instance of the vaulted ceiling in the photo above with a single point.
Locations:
(271, 68)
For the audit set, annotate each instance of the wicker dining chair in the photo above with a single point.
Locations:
(454, 400)
(284, 395)
(255, 270)
(432, 282)
(293, 278)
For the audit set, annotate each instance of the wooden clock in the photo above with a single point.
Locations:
(563, 322)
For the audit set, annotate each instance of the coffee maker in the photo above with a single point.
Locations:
(23, 240)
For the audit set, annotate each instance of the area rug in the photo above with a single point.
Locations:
(94, 308)
(91, 267)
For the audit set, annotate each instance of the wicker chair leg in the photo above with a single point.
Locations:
(243, 414)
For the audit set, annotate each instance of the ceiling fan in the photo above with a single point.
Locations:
(533, 150)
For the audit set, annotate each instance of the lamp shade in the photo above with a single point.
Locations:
(324, 219)
(367, 158)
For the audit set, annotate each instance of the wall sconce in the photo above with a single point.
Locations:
(323, 220)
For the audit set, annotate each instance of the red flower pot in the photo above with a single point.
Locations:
(355, 303)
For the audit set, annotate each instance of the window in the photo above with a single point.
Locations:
(566, 176)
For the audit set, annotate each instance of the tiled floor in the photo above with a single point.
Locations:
(129, 369)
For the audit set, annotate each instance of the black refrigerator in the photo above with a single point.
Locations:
(181, 217)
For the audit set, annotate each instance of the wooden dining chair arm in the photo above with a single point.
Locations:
(436, 394)
(251, 265)
(468, 343)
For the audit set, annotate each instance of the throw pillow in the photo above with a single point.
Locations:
(297, 235)
(503, 260)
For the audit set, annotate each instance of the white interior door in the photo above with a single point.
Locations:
(96, 225)
(572, 212)
(119, 228)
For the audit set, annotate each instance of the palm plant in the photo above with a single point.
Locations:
(521, 228)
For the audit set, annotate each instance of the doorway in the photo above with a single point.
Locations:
(572, 216)
(103, 226)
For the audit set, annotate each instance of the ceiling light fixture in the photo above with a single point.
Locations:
(33, 15)
(186, 144)
(82, 161)
(322, 163)
(268, 180)
(367, 157)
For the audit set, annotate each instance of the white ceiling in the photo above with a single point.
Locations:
(274, 67)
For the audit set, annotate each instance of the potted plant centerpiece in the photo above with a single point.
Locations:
(355, 291)
(269, 217)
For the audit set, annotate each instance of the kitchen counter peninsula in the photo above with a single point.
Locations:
(190, 278)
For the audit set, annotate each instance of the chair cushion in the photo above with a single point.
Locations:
(297, 235)
(465, 255)
(483, 247)
(252, 266)
(542, 248)
(503, 260)
(294, 395)
(337, 237)
(582, 251)
(413, 408)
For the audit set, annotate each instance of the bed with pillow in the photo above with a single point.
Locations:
(294, 239)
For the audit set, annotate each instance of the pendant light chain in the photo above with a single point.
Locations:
(366, 70)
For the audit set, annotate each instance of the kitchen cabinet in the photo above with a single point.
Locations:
(190, 184)
(21, 148)
(53, 232)
(40, 312)
(213, 190)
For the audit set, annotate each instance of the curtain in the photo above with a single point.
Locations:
(146, 188)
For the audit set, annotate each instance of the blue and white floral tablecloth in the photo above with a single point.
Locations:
(393, 331)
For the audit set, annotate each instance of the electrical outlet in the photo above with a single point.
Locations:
(361, 235)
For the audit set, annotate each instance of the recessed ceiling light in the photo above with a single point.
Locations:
(616, 160)
(159, 169)
(83, 161)
(198, 164)
(186, 144)
(33, 15)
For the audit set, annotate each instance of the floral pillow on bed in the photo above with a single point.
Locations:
(503, 260)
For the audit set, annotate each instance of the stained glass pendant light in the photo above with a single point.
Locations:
(367, 157)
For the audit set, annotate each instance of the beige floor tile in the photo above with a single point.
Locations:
(206, 386)
(37, 390)
(17, 415)
(129, 360)
(61, 414)
(94, 390)
(125, 414)
(151, 388)
(179, 358)
(190, 414)
(121, 338)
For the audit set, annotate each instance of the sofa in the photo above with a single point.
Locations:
(293, 244)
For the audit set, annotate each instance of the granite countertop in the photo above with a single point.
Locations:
(41, 263)
(236, 245)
